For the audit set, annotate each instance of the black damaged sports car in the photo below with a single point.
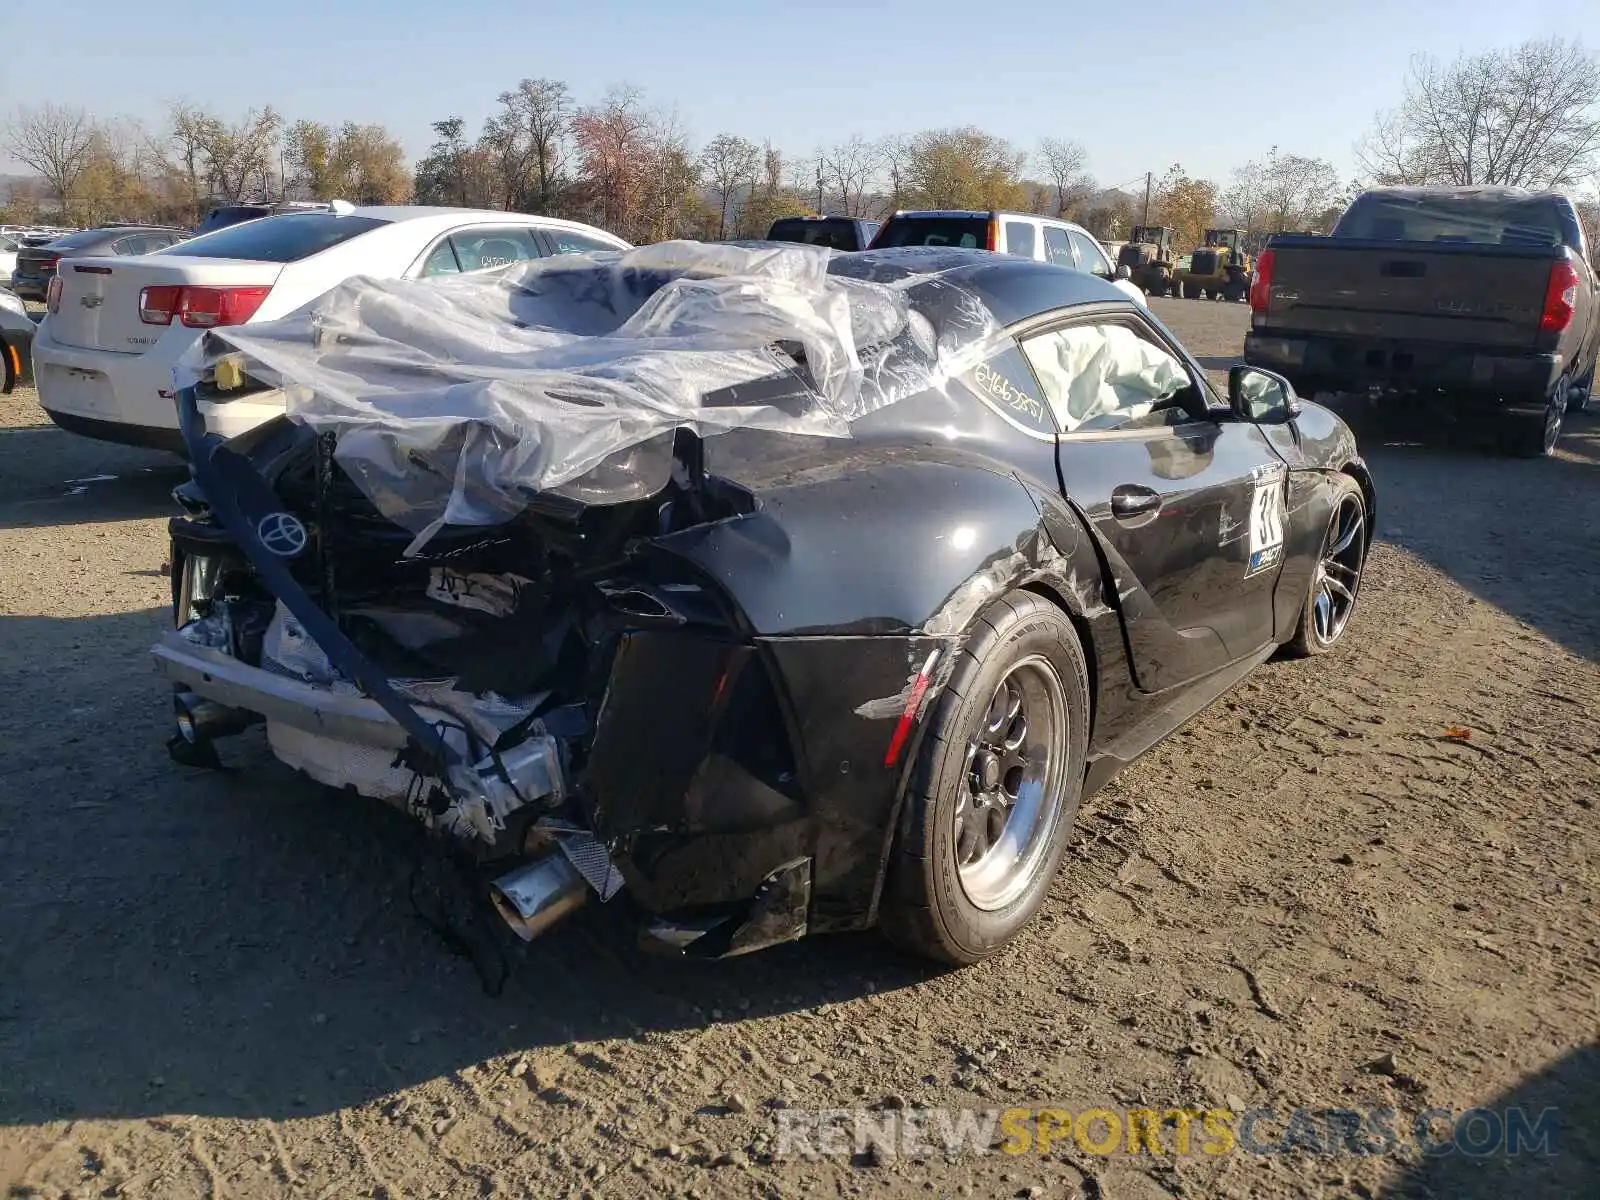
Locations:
(752, 679)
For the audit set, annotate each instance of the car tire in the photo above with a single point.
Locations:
(1335, 584)
(1020, 678)
(1535, 435)
(1583, 389)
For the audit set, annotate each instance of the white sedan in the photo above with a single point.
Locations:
(115, 327)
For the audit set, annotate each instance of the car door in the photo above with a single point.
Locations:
(1186, 503)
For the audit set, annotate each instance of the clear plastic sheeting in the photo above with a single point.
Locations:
(454, 399)
(1092, 372)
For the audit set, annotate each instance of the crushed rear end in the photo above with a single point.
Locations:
(494, 627)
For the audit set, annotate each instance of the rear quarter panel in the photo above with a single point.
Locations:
(851, 575)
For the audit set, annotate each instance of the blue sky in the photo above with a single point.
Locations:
(1121, 78)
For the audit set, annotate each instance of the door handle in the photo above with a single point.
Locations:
(1131, 500)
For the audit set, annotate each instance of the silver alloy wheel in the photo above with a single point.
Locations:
(1555, 408)
(1338, 577)
(1009, 801)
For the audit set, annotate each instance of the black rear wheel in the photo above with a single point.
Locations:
(1582, 390)
(1534, 435)
(994, 791)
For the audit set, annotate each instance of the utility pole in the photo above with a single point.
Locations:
(820, 213)
(1149, 178)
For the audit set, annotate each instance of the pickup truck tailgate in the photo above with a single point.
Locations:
(1482, 295)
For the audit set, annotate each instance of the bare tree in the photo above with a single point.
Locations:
(894, 152)
(56, 140)
(1527, 116)
(728, 163)
(850, 172)
(529, 141)
(613, 140)
(1064, 165)
(238, 159)
(1281, 193)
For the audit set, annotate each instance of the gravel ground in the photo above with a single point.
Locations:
(1310, 897)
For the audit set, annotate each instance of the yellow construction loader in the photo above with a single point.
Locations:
(1218, 270)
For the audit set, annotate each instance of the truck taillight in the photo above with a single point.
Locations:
(1261, 285)
(1560, 298)
(52, 294)
(200, 307)
(993, 240)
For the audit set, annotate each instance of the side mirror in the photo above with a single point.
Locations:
(1124, 272)
(1261, 396)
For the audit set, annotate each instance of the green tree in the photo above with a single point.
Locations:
(963, 168)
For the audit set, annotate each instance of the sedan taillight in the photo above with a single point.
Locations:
(200, 307)
(52, 294)
(157, 304)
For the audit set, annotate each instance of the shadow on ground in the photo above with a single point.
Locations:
(50, 477)
(1522, 534)
(1567, 1167)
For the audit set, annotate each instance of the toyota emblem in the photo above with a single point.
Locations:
(282, 534)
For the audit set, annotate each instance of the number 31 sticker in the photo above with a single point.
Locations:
(1266, 521)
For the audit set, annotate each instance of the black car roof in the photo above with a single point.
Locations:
(1013, 289)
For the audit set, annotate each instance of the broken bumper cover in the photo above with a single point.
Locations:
(303, 706)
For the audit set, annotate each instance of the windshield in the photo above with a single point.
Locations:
(284, 239)
(971, 232)
(1476, 220)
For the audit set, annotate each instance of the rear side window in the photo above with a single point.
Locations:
(143, 243)
(1090, 257)
(442, 261)
(969, 232)
(1004, 381)
(566, 241)
(1057, 248)
(282, 239)
(485, 249)
(1474, 220)
(834, 234)
(1020, 238)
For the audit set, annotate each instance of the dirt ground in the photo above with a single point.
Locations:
(1311, 897)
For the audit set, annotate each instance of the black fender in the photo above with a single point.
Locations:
(1319, 447)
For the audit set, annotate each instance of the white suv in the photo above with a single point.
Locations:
(115, 327)
(1024, 235)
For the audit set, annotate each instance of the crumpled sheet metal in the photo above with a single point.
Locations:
(455, 398)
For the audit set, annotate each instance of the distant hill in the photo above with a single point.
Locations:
(7, 182)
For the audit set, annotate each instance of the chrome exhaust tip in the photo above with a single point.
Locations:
(200, 720)
(538, 894)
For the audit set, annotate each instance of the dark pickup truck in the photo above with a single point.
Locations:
(1485, 297)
